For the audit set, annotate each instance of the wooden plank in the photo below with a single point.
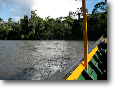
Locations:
(76, 73)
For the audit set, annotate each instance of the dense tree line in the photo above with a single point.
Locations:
(62, 28)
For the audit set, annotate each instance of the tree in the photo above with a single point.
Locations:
(78, 13)
(100, 7)
(1, 20)
(10, 20)
(68, 24)
(24, 27)
(33, 17)
(59, 28)
(39, 26)
(49, 28)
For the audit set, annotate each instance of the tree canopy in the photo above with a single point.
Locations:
(62, 28)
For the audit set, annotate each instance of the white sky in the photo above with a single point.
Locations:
(16, 9)
(55, 8)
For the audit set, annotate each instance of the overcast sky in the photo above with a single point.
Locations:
(16, 9)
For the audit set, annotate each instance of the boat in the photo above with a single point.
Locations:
(97, 65)
(90, 65)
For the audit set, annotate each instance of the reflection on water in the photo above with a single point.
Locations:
(35, 60)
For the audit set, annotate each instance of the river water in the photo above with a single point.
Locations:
(36, 60)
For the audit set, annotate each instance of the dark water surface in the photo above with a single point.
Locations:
(36, 60)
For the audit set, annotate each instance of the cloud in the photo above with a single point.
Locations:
(2, 3)
(21, 7)
(17, 18)
(12, 9)
(1, 10)
(52, 8)
(90, 1)
(55, 8)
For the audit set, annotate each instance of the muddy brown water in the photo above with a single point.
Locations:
(36, 60)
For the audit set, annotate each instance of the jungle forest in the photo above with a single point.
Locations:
(62, 28)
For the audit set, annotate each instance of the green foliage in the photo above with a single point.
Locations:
(65, 28)
(10, 20)
(97, 25)
(1, 20)
(100, 7)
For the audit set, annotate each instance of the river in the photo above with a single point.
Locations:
(36, 60)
